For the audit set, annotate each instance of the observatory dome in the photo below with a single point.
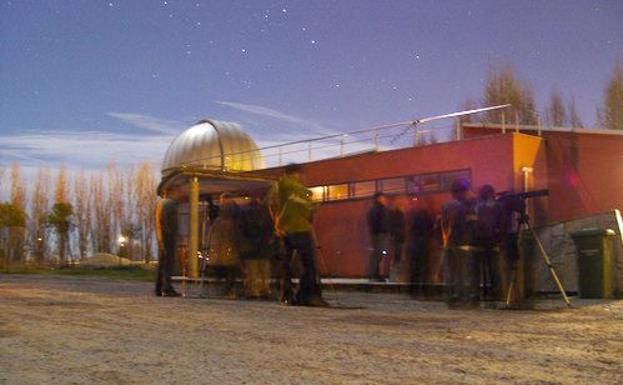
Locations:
(213, 145)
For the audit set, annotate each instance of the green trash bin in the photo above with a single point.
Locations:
(595, 249)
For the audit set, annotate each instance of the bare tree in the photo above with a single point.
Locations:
(61, 190)
(117, 205)
(469, 104)
(17, 234)
(504, 87)
(18, 191)
(82, 212)
(146, 200)
(556, 114)
(611, 117)
(129, 228)
(101, 219)
(574, 117)
(39, 207)
(2, 171)
(61, 213)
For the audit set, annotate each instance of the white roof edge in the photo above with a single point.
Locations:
(524, 127)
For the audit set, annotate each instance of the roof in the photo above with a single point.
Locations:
(512, 127)
(213, 145)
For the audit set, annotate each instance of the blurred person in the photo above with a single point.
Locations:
(224, 239)
(166, 234)
(397, 227)
(461, 271)
(257, 247)
(488, 235)
(422, 223)
(379, 227)
(519, 273)
(291, 209)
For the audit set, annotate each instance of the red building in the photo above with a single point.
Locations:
(583, 169)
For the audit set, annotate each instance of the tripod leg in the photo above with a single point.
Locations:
(320, 256)
(511, 285)
(549, 265)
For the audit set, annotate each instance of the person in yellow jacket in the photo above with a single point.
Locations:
(292, 208)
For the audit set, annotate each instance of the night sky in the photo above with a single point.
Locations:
(86, 82)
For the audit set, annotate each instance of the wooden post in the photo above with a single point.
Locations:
(193, 236)
(503, 123)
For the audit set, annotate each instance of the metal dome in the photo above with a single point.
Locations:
(212, 144)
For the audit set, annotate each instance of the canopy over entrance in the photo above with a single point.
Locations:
(210, 158)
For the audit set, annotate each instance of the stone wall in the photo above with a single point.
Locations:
(559, 245)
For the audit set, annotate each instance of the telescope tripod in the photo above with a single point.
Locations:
(524, 220)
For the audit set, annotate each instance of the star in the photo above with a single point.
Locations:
(313, 41)
(284, 10)
(244, 50)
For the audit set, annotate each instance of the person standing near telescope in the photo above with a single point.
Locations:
(460, 268)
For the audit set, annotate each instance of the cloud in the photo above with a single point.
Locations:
(277, 115)
(162, 126)
(77, 149)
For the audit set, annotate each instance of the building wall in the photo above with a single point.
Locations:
(583, 170)
(341, 226)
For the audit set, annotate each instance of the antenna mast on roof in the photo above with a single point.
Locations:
(413, 124)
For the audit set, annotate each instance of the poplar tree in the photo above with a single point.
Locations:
(39, 207)
(82, 212)
(503, 87)
(611, 117)
(146, 201)
(556, 113)
(60, 215)
(17, 233)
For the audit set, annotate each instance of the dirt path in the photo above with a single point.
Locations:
(61, 330)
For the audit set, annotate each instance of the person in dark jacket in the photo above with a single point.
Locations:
(224, 245)
(461, 271)
(378, 224)
(258, 247)
(489, 233)
(422, 225)
(397, 228)
(166, 234)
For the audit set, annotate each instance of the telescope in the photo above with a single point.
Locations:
(524, 195)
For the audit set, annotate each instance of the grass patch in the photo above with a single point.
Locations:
(125, 273)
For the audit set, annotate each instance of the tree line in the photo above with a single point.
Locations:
(68, 216)
(503, 86)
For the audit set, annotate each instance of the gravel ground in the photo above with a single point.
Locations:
(65, 330)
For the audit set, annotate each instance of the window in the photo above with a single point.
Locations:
(364, 189)
(429, 183)
(393, 185)
(317, 193)
(447, 178)
(414, 184)
(337, 192)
